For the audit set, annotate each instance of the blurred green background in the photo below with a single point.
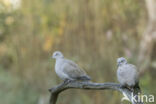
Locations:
(93, 33)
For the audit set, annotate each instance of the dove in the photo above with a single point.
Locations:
(127, 74)
(67, 69)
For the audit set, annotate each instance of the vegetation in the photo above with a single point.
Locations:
(93, 33)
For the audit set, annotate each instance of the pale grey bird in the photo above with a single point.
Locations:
(67, 69)
(127, 74)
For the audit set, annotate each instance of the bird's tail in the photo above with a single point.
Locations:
(136, 88)
(84, 78)
(137, 93)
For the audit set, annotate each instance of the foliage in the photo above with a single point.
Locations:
(93, 33)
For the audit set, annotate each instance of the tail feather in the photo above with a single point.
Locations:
(136, 88)
(137, 92)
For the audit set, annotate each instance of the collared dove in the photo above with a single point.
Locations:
(127, 74)
(67, 69)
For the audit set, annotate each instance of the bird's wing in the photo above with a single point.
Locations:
(134, 71)
(72, 69)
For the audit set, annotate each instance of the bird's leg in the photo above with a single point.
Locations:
(66, 81)
(130, 88)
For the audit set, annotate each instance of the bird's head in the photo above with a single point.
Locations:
(121, 61)
(57, 54)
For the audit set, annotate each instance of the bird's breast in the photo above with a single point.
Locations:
(59, 70)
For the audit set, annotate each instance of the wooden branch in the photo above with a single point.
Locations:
(89, 86)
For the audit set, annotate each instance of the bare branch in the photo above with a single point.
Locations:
(88, 86)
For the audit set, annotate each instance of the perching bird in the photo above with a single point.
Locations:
(127, 74)
(67, 69)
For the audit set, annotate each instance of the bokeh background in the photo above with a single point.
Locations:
(93, 33)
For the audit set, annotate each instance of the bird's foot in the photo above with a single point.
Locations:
(66, 81)
(127, 87)
(130, 88)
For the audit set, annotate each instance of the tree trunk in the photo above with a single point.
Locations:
(148, 38)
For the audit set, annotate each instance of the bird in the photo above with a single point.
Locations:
(127, 75)
(68, 70)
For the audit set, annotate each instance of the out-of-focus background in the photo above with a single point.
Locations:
(93, 33)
